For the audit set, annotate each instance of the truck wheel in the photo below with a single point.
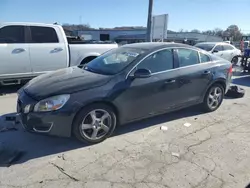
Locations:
(94, 123)
(86, 60)
(213, 98)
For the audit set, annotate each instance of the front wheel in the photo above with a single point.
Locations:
(213, 98)
(94, 123)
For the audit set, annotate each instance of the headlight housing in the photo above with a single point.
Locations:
(51, 103)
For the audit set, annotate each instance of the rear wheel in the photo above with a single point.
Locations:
(235, 60)
(94, 123)
(213, 98)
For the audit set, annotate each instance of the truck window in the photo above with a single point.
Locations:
(43, 35)
(12, 34)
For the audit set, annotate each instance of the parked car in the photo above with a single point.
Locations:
(221, 49)
(126, 84)
(30, 49)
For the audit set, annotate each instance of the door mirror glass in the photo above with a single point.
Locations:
(215, 51)
(142, 73)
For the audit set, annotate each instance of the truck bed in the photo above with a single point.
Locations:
(77, 40)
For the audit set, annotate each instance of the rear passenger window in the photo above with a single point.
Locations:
(204, 58)
(157, 62)
(43, 35)
(12, 34)
(187, 57)
(218, 48)
(227, 47)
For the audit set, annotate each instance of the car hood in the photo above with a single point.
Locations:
(64, 81)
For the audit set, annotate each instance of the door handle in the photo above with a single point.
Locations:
(221, 54)
(18, 50)
(55, 50)
(169, 81)
(206, 72)
(58, 49)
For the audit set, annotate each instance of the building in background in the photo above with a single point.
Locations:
(132, 35)
(110, 34)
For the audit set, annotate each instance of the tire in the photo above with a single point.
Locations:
(235, 60)
(84, 133)
(207, 99)
(86, 60)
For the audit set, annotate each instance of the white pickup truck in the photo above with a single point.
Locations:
(30, 49)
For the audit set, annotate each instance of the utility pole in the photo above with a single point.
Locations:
(80, 20)
(150, 7)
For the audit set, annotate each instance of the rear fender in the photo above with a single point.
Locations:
(221, 81)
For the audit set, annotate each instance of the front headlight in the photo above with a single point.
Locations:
(51, 103)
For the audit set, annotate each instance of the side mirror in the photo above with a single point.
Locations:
(215, 51)
(142, 73)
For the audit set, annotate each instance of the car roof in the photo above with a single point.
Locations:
(157, 45)
(27, 23)
(214, 43)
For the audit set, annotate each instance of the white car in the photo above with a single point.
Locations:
(222, 49)
(30, 49)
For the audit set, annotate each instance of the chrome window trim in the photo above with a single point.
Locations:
(171, 69)
(199, 55)
(206, 55)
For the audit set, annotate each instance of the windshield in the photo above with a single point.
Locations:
(114, 61)
(207, 47)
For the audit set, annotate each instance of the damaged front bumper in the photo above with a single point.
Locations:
(56, 123)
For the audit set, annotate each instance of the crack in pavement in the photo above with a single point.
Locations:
(63, 171)
(43, 181)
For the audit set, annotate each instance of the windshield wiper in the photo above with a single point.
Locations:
(96, 71)
(89, 69)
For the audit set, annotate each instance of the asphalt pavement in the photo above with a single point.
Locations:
(186, 149)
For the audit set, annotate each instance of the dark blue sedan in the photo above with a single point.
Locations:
(126, 84)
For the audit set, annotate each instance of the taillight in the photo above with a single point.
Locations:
(230, 70)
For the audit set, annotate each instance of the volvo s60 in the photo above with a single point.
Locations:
(126, 84)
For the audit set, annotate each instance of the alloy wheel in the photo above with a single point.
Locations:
(215, 97)
(96, 124)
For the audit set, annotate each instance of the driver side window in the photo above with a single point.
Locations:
(158, 62)
(218, 48)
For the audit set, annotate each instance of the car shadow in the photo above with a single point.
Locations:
(248, 186)
(32, 145)
(164, 118)
(36, 145)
